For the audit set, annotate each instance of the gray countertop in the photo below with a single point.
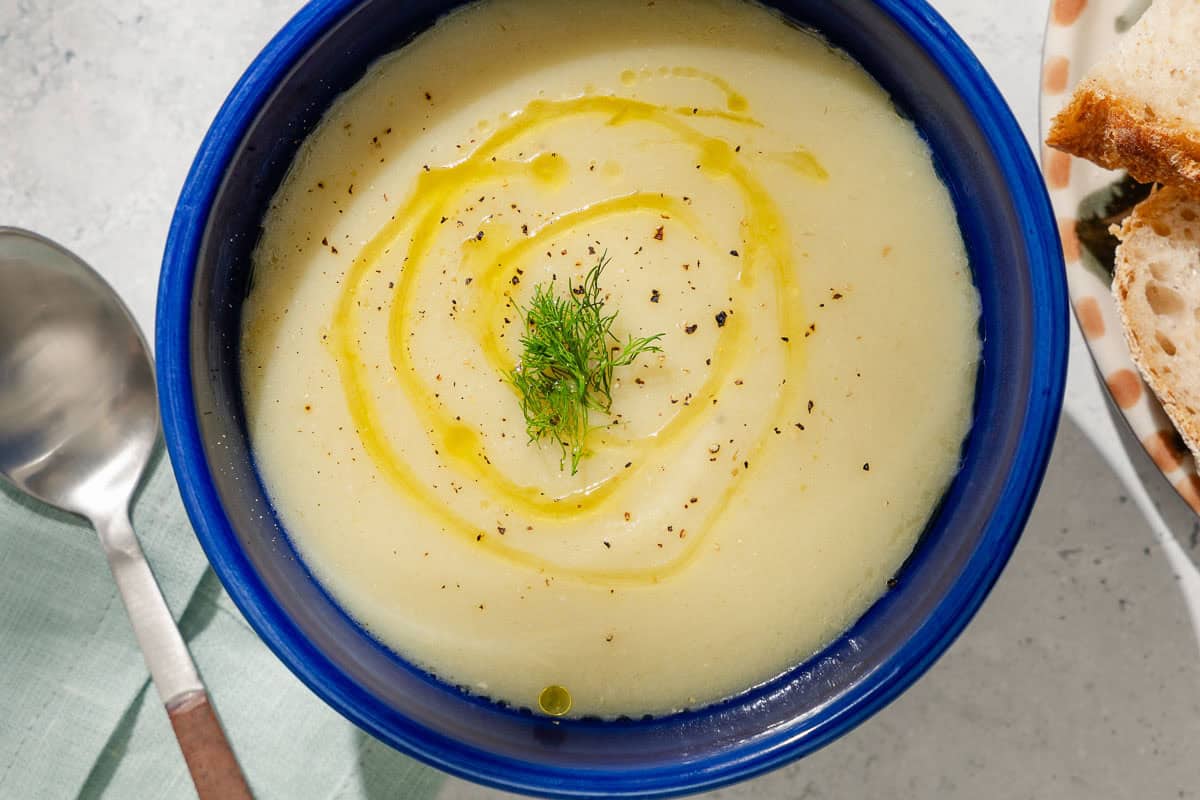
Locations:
(1078, 679)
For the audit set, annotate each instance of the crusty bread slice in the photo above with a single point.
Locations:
(1157, 288)
(1139, 108)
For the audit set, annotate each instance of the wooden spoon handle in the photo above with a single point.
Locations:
(214, 769)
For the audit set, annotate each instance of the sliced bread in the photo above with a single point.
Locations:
(1157, 288)
(1139, 108)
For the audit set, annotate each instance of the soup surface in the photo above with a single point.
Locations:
(754, 483)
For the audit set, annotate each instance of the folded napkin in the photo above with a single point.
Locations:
(78, 714)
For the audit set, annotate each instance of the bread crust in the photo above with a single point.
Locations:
(1110, 131)
(1128, 288)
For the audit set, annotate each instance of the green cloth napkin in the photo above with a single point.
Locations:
(78, 714)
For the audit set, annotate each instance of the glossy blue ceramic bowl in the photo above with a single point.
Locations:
(1014, 253)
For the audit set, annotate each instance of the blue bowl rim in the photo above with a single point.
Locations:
(954, 610)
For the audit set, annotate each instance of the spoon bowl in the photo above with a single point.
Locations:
(78, 414)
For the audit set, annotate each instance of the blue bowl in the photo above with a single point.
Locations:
(1015, 258)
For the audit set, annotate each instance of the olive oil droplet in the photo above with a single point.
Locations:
(555, 701)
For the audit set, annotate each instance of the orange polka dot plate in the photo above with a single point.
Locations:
(1087, 199)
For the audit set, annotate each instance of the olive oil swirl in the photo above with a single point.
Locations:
(765, 252)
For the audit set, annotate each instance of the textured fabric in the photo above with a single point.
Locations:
(78, 715)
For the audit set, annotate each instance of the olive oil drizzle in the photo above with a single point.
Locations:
(414, 226)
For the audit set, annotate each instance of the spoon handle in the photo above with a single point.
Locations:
(210, 760)
(213, 766)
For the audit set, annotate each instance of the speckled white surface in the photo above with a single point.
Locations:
(1079, 678)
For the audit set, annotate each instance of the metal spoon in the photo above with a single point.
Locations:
(78, 422)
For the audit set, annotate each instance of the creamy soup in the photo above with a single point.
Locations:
(755, 482)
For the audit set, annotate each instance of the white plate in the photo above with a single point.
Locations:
(1078, 34)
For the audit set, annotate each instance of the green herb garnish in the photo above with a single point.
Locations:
(567, 362)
